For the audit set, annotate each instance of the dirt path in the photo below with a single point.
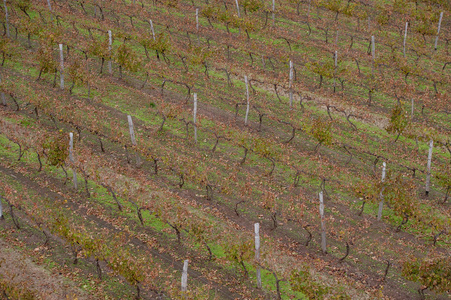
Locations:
(18, 270)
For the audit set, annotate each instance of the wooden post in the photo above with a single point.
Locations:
(1, 208)
(133, 138)
(71, 146)
(194, 117)
(197, 19)
(381, 196)
(438, 30)
(257, 253)
(247, 98)
(185, 276)
(291, 83)
(62, 67)
(50, 9)
(428, 174)
(6, 18)
(323, 223)
(335, 68)
(238, 8)
(373, 53)
(110, 46)
(273, 13)
(72, 160)
(131, 129)
(151, 28)
(405, 39)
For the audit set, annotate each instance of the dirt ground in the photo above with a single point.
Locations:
(20, 271)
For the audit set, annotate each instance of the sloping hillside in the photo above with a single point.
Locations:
(138, 136)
